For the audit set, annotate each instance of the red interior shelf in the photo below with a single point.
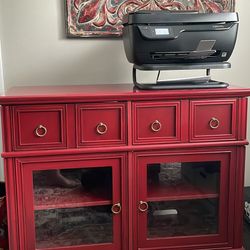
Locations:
(181, 191)
(54, 197)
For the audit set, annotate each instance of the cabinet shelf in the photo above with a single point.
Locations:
(52, 198)
(73, 227)
(76, 237)
(183, 191)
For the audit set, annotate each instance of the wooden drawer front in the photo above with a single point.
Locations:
(101, 124)
(39, 127)
(213, 120)
(156, 122)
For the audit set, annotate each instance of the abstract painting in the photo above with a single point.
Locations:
(103, 18)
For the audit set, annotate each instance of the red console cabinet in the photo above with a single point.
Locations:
(109, 167)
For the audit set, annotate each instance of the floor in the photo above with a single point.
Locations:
(247, 225)
(247, 236)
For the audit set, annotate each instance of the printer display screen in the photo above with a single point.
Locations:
(162, 31)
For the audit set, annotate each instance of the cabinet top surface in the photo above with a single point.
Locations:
(107, 92)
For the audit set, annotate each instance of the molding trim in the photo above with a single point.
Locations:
(1, 71)
(1, 91)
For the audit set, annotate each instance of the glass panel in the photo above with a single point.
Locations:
(182, 218)
(188, 180)
(73, 206)
(72, 187)
(73, 226)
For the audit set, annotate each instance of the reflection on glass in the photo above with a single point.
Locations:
(183, 198)
(64, 188)
(182, 218)
(171, 180)
(71, 227)
(73, 207)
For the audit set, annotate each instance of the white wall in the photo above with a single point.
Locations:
(1, 91)
(239, 74)
(36, 51)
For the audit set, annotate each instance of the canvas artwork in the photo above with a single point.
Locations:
(103, 18)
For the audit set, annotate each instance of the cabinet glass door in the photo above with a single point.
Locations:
(180, 197)
(76, 206)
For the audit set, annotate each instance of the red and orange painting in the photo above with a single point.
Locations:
(103, 18)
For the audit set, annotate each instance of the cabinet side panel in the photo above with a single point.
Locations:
(238, 218)
(12, 208)
(242, 118)
(6, 128)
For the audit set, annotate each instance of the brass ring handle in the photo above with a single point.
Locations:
(156, 126)
(41, 131)
(101, 128)
(143, 206)
(116, 208)
(214, 123)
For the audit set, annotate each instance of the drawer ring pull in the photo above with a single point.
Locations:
(116, 208)
(101, 128)
(143, 206)
(41, 131)
(156, 126)
(214, 123)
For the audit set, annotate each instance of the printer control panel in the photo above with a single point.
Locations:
(157, 32)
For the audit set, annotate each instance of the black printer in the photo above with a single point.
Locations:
(163, 37)
(165, 40)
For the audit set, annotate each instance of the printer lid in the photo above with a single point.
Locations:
(178, 17)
